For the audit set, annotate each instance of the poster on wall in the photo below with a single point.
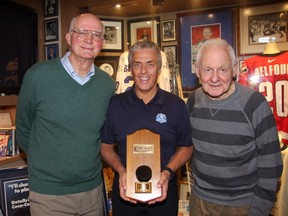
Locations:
(200, 34)
(113, 35)
(108, 64)
(259, 25)
(51, 51)
(51, 8)
(193, 29)
(144, 29)
(51, 30)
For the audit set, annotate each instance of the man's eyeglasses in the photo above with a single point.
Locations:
(83, 33)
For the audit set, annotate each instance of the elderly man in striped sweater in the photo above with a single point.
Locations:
(236, 161)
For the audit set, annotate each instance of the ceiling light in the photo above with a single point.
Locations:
(117, 5)
(157, 2)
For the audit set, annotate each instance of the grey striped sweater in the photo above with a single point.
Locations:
(236, 159)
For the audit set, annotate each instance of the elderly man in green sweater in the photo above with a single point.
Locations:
(60, 113)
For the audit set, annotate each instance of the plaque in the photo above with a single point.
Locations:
(143, 165)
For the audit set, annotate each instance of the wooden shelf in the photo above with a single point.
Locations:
(8, 100)
(13, 161)
(8, 104)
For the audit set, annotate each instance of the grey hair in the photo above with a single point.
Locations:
(74, 20)
(72, 24)
(145, 45)
(219, 43)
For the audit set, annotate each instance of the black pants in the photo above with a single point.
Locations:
(168, 207)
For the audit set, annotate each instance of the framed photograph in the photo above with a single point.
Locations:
(51, 8)
(168, 30)
(52, 51)
(171, 54)
(109, 64)
(192, 31)
(144, 29)
(259, 25)
(113, 35)
(51, 30)
(201, 33)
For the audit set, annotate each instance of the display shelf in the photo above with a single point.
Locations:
(13, 161)
(10, 100)
(8, 104)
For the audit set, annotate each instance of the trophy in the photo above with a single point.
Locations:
(143, 165)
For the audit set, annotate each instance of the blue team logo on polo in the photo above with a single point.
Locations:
(161, 118)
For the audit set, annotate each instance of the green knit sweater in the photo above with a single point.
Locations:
(58, 124)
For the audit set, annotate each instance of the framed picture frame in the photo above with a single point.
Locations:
(113, 35)
(144, 29)
(108, 64)
(201, 33)
(51, 30)
(259, 25)
(171, 54)
(51, 51)
(191, 32)
(50, 8)
(168, 30)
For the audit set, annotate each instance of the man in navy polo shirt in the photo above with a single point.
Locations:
(146, 106)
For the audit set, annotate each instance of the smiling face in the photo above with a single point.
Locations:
(216, 72)
(85, 47)
(207, 33)
(145, 72)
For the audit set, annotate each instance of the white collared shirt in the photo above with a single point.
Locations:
(70, 70)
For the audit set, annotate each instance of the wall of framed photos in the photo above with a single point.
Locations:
(178, 34)
(52, 29)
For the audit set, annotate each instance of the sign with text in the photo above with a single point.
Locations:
(14, 192)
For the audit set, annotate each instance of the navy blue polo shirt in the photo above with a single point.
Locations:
(166, 114)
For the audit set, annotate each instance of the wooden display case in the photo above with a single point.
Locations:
(8, 104)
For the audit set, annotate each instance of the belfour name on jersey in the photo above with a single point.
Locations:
(271, 70)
